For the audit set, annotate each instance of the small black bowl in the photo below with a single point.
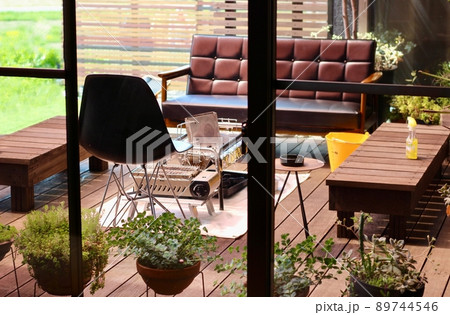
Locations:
(292, 160)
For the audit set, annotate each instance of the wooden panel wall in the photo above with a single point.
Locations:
(144, 37)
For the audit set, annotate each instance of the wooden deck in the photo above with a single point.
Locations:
(122, 280)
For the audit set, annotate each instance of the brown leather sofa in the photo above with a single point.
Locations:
(217, 81)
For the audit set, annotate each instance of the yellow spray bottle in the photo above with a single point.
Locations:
(411, 141)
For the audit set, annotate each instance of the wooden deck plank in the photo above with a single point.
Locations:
(314, 200)
(437, 268)
(122, 279)
(119, 270)
(331, 287)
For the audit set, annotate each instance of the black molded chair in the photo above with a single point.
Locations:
(121, 122)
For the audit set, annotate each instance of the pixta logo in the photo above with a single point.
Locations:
(306, 147)
(147, 145)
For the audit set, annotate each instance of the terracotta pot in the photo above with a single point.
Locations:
(58, 281)
(362, 289)
(5, 247)
(302, 293)
(168, 281)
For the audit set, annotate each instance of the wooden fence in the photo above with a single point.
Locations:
(144, 37)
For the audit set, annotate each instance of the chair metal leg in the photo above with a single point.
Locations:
(144, 188)
(171, 189)
(152, 204)
(151, 181)
(113, 178)
(110, 178)
(119, 211)
(107, 186)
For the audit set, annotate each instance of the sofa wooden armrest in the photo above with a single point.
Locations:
(171, 74)
(374, 77)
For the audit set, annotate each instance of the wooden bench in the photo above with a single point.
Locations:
(378, 178)
(32, 154)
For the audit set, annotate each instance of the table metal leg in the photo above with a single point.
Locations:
(302, 206)
(281, 192)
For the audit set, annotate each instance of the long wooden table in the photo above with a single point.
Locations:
(34, 153)
(378, 178)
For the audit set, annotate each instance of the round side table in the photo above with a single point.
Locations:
(309, 165)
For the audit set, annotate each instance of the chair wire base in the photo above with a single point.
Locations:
(141, 190)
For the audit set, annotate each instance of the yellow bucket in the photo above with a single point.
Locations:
(341, 144)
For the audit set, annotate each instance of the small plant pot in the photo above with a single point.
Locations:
(302, 293)
(5, 247)
(168, 281)
(57, 282)
(359, 288)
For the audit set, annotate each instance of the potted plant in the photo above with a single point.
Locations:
(7, 234)
(296, 267)
(391, 47)
(425, 109)
(44, 245)
(169, 251)
(381, 268)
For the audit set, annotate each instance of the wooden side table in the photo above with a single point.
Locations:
(309, 165)
(378, 178)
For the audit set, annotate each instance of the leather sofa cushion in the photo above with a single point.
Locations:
(218, 81)
(293, 114)
(219, 64)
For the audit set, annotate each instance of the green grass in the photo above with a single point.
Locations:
(26, 101)
(31, 16)
(30, 39)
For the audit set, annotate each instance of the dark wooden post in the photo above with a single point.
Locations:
(73, 149)
(261, 123)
